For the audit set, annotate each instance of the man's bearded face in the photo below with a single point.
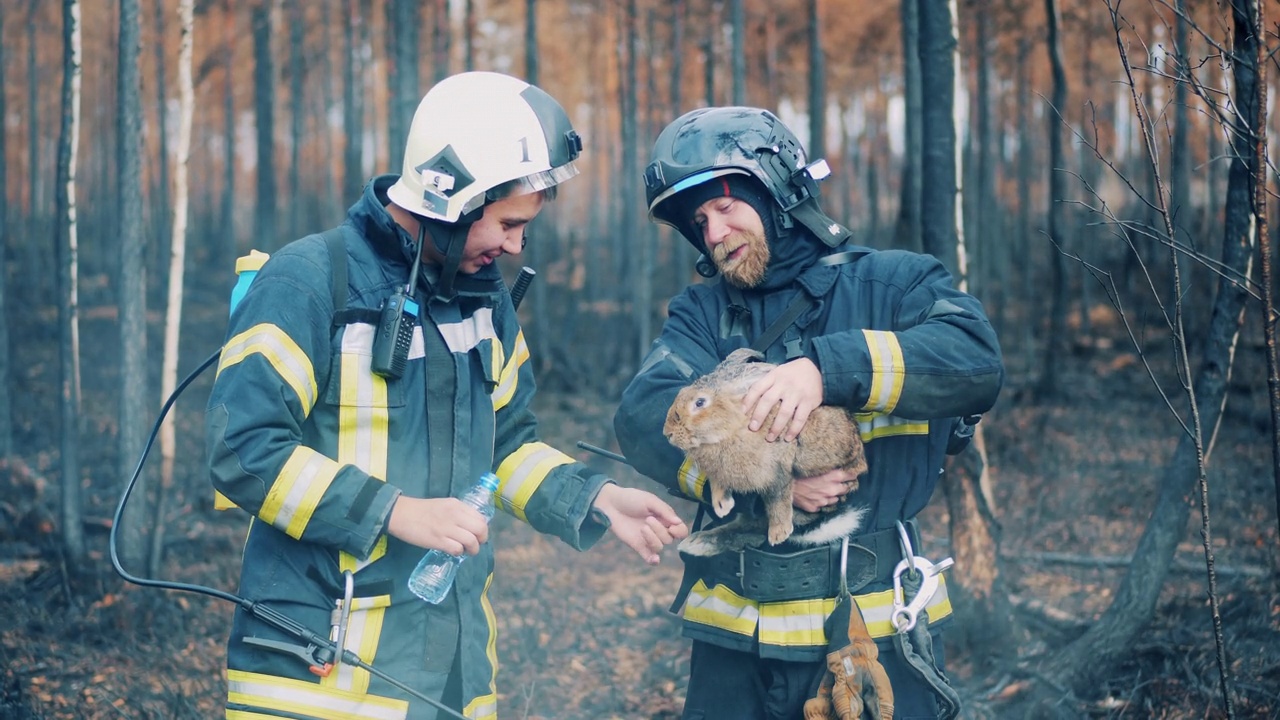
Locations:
(743, 257)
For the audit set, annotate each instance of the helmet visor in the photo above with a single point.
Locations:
(656, 210)
(533, 183)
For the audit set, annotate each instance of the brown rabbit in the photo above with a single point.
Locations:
(706, 420)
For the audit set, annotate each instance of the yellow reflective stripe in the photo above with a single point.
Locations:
(486, 706)
(722, 608)
(242, 715)
(887, 370)
(222, 502)
(363, 415)
(347, 561)
(307, 698)
(523, 471)
(877, 609)
(795, 622)
(364, 630)
(297, 490)
(878, 425)
(509, 377)
(286, 358)
(691, 479)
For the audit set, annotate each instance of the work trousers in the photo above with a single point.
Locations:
(732, 685)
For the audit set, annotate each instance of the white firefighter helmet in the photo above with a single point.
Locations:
(477, 137)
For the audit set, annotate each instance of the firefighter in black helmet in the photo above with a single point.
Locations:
(884, 333)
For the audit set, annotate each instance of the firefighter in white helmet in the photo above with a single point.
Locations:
(348, 416)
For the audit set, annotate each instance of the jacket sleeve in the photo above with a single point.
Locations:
(684, 351)
(539, 484)
(939, 359)
(269, 376)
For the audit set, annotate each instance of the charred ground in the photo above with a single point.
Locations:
(588, 636)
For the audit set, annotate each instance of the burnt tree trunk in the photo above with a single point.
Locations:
(135, 402)
(266, 231)
(1055, 340)
(1087, 662)
(817, 84)
(6, 402)
(352, 102)
(907, 229)
(938, 131)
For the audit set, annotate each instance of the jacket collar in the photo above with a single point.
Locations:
(370, 218)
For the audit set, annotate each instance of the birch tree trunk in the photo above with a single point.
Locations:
(177, 265)
(68, 282)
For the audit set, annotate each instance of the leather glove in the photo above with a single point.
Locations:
(856, 683)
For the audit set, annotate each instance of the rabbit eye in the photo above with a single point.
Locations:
(700, 402)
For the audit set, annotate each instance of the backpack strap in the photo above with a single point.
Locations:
(336, 242)
(738, 307)
(337, 245)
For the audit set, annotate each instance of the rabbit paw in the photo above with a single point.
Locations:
(723, 504)
(701, 544)
(779, 532)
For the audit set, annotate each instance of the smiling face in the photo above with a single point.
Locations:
(734, 236)
(500, 231)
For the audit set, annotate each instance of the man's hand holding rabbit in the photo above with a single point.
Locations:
(823, 492)
(794, 388)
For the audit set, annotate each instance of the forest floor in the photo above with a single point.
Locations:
(588, 636)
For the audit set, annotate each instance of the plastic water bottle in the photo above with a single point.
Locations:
(433, 576)
(247, 267)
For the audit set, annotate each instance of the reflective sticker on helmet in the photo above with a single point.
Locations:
(437, 182)
(442, 176)
(695, 179)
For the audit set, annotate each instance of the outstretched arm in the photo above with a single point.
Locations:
(640, 519)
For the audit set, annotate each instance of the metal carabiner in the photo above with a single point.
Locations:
(341, 616)
(904, 613)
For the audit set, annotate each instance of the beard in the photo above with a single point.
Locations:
(747, 270)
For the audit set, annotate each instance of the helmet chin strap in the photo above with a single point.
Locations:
(451, 239)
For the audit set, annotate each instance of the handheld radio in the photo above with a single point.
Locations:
(396, 319)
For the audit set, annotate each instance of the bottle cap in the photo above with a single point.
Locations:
(490, 481)
(253, 261)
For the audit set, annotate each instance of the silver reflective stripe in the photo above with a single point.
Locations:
(464, 335)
